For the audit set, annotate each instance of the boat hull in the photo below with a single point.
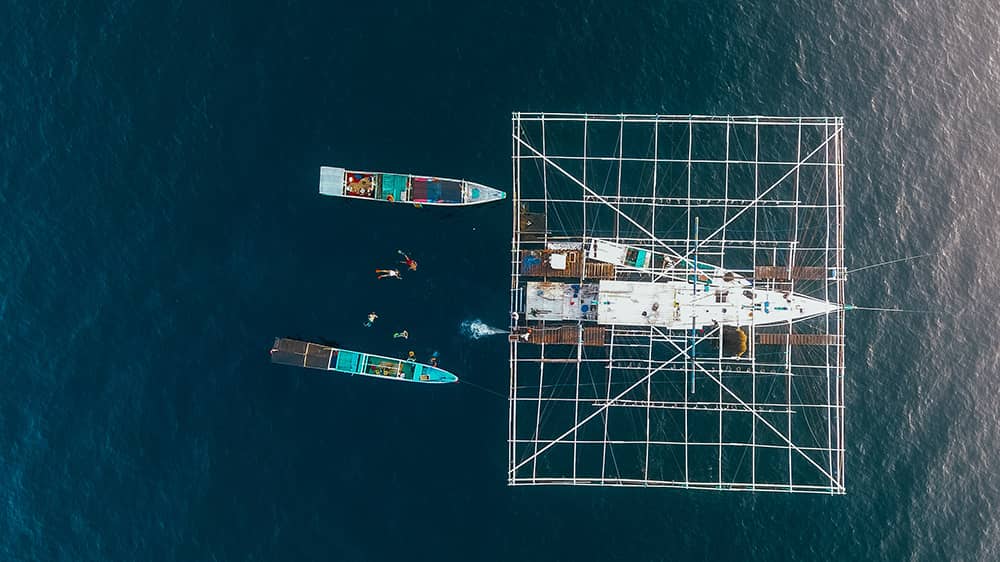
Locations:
(404, 188)
(325, 358)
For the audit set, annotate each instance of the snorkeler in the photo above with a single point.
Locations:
(410, 262)
(383, 273)
(404, 334)
(410, 356)
(371, 319)
(434, 359)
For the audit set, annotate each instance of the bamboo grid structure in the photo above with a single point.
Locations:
(740, 193)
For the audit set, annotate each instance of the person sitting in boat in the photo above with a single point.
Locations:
(383, 273)
(371, 319)
(410, 262)
(404, 334)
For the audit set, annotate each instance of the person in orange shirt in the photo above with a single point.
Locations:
(410, 262)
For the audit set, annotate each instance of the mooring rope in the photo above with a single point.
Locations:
(888, 262)
(852, 307)
(483, 388)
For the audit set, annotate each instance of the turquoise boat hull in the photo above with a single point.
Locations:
(404, 188)
(325, 358)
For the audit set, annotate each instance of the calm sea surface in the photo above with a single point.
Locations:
(159, 225)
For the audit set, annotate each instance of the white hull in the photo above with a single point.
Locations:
(674, 304)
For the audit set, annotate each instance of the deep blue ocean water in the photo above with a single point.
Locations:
(159, 225)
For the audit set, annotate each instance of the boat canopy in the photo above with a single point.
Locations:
(434, 190)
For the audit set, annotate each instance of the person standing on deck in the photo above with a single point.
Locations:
(410, 262)
(383, 273)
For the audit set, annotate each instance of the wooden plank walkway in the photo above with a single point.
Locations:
(594, 270)
(593, 336)
(779, 272)
(798, 339)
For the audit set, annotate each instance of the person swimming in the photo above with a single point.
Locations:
(383, 273)
(410, 262)
(371, 319)
(404, 334)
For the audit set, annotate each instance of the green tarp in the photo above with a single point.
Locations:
(394, 185)
(347, 361)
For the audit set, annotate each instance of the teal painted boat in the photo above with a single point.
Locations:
(404, 188)
(325, 358)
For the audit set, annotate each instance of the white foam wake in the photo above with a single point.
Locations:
(477, 329)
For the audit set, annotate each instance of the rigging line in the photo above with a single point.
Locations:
(599, 197)
(876, 309)
(753, 203)
(888, 262)
(597, 412)
(747, 407)
(493, 392)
